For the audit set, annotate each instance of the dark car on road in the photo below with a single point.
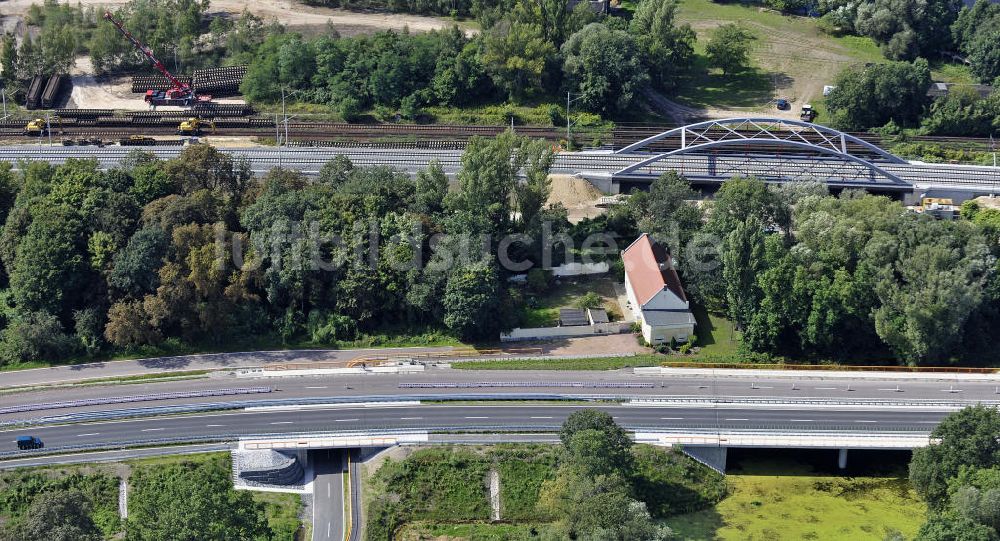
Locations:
(29, 442)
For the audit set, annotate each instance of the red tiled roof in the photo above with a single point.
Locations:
(650, 270)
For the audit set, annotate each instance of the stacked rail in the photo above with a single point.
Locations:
(142, 83)
(219, 82)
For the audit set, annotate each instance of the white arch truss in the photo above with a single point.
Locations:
(769, 132)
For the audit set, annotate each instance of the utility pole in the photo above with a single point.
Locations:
(3, 93)
(48, 127)
(993, 147)
(569, 100)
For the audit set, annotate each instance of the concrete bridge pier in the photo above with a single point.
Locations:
(842, 459)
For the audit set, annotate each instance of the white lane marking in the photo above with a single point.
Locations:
(410, 418)
(152, 429)
(825, 388)
(328, 530)
(894, 389)
(282, 423)
(477, 417)
(864, 421)
(344, 420)
(671, 418)
(801, 420)
(737, 419)
(541, 417)
(91, 434)
(214, 426)
(320, 387)
(328, 485)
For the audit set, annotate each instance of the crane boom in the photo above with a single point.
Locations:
(180, 90)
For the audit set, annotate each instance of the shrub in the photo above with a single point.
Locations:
(590, 300)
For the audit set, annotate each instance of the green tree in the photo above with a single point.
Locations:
(605, 67)
(907, 29)
(871, 96)
(984, 55)
(729, 48)
(431, 188)
(743, 260)
(489, 181)
(966, 438)
(56, 515)
(667, 211)
(941, 528)
(930, 280)
(185, 502)
(667, 49)
(515, 55)
(35, 336)
(472, 301)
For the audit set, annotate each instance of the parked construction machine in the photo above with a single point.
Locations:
(179, 93)
(194, 126)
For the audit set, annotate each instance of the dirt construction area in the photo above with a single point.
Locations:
(291, 14)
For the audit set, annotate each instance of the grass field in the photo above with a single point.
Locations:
(791, 57)
(774, 501)
(543, 310)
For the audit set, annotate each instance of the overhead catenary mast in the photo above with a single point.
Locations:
(179, 93)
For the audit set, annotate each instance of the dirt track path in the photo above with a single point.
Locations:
(288, 13)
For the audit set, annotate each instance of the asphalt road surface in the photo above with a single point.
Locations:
(450, 382)
(328, 494)
(517, 416)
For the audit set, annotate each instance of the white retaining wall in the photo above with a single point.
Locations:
(565, 332)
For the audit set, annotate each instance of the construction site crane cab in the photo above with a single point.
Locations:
(179, 93)
(195, 126)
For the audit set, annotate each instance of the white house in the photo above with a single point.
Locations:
(655, 294)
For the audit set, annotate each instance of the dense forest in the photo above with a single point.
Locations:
(195, 250)
(810, 276)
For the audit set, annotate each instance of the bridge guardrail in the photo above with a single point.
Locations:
(218, 406)
(780, 430)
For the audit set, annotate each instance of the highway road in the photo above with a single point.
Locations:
(445, 383)
(487, 417)
(309, 160)
(328, 494)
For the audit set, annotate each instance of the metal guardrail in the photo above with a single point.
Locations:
(218, 406)
(132, 398)
(528, 384)
(776, 430)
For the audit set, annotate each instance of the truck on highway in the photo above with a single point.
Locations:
(29, 442)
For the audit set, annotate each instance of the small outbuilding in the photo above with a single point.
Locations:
(655, 294)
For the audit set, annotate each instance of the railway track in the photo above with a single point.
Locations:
(234, 120)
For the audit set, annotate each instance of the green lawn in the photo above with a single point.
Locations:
(785, 504)
(542, 310)
(716, 335)
(791, 58)
(596, 363)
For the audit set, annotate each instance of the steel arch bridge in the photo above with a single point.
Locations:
(773, 149)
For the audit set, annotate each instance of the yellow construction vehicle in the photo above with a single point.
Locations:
(37, 127)
(195, 126)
